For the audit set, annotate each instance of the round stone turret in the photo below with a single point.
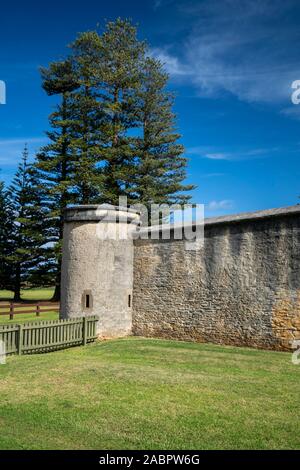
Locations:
(97, 266)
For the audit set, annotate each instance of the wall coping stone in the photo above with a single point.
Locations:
(110, 213)
(229, 219)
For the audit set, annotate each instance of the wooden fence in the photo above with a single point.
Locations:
(45, 336)
(13, 308)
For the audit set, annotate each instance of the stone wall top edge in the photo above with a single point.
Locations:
(95, 213)
(232, 219)
(248, 216)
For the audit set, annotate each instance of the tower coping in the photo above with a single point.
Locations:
(101, 212)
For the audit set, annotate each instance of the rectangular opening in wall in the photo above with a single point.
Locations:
(87, 301)
(129, 300)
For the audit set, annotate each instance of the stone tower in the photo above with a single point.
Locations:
(97, 266)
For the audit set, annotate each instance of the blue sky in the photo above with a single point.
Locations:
(231, 64)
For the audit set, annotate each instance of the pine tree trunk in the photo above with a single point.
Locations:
(17, 289)
(56, 295)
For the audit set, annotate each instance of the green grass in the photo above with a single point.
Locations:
(32, 295)
(139, 393)
(28, 317)
(28, 296)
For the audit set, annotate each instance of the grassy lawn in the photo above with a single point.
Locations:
(28, 296)
(29, 317)
(153, 394)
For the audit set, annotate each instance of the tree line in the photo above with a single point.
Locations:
(112, 133)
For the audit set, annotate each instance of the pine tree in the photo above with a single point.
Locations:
(6, 243)
(121, 58)
(55, 163)
(113, 133)
(28, 229)
(161, 165)
(107, 68)
(88, 114)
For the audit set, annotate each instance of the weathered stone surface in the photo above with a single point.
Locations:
(241, 288)
(97, 267)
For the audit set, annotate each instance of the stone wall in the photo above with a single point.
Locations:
(241, 288)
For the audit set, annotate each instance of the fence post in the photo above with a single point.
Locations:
(20, 339)
(84, 331)
(38, 309)
(11, 311)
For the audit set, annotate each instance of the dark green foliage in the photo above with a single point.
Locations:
(122, 57)
(6, 243)
(87, 119)
(27, 257)
(55, 163)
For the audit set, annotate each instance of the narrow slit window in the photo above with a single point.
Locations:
(129, 300)
(87, 301)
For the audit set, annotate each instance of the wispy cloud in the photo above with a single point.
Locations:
(238, 47)
(21, 140)
(240, 154)
(218, 156)
(291, 111)
(212, 175)
(224, 204)
(171, 63)
(161, 3)
(157, 4)
(11, 149)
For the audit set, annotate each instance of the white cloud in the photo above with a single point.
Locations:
(212, 175)
(171, 63)
(240, 154)
(20, 141)
(238, 47)
(161, 3)
(292, 112)
(218, 156)
(224, 204)
(11, 149)
(157, 4)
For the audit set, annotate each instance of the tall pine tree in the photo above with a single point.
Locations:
(28, 233)
(113, 133)
(87, 120)
(55, 163)
(6, 242)
(121, 59)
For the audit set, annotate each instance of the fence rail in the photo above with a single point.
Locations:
(45, 336)
(13, 308)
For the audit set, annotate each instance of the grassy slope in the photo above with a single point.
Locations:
(28, 296)
(153, 394)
